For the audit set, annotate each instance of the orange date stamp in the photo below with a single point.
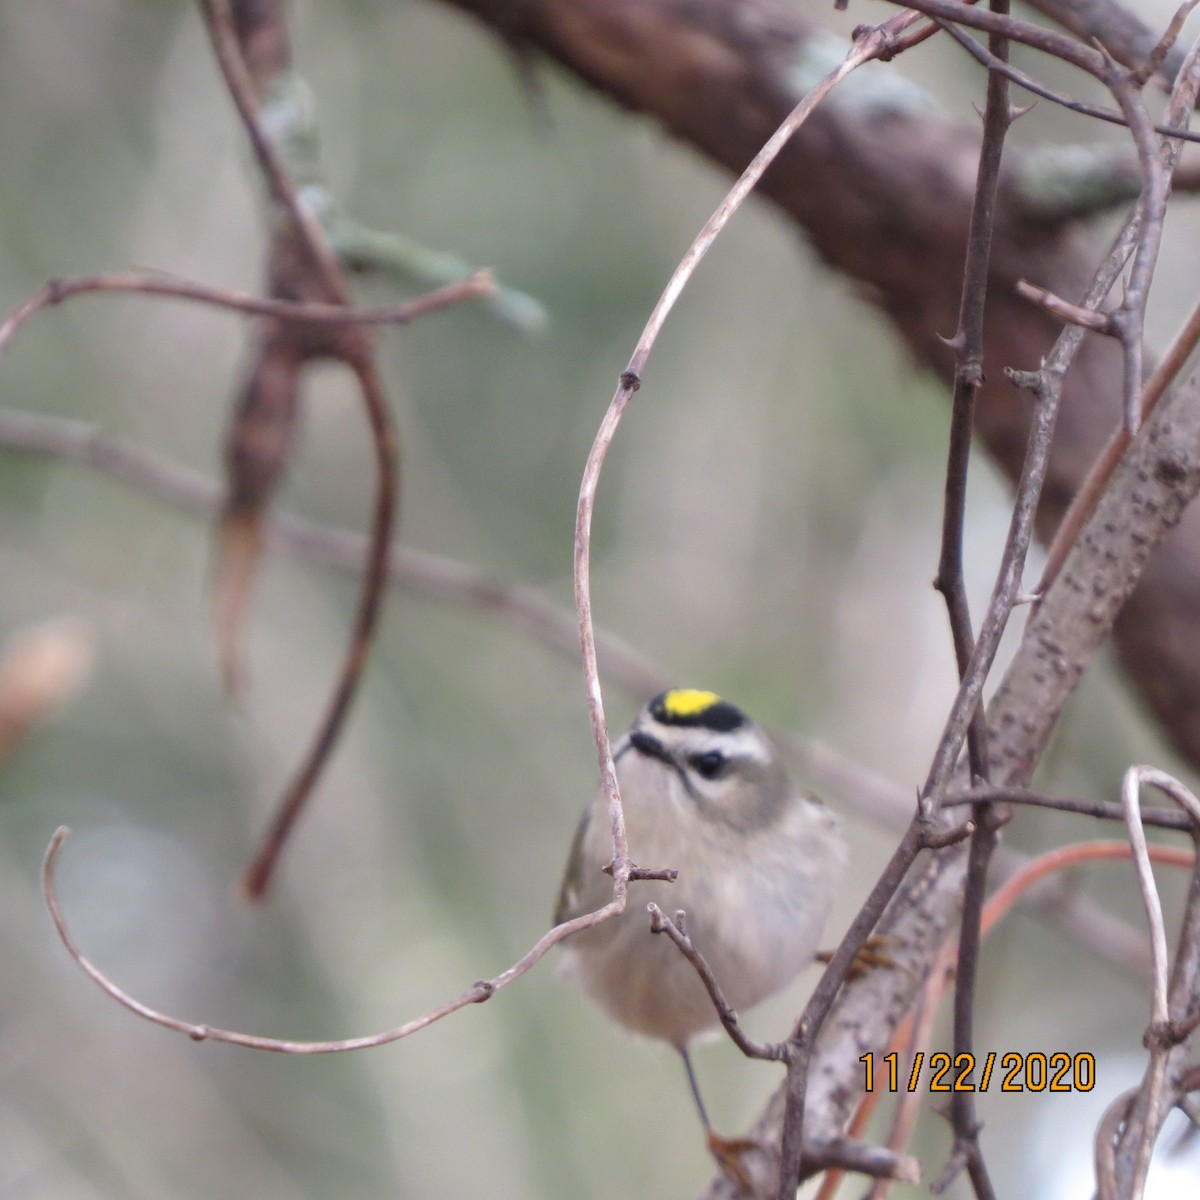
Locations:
(1033, 1071)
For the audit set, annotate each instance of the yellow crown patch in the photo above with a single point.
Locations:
(688, 702)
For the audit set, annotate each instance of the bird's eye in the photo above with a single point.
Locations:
(710, 764)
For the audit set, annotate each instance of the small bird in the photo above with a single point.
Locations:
(704, 791)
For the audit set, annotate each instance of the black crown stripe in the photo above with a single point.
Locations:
(720, 716)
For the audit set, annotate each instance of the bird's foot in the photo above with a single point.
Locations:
(870, 954)
(728, 1154)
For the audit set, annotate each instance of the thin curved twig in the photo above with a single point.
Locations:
(1146, 1111)
(862, 51)
(477, 993)
(140, 283)
(869, 44)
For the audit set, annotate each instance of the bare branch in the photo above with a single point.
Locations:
(676, 931)
(1122, 33)
(480, 285)
(968, 344)
(1183, 101)
(1162, 818)
(1143, 1116)
(477, 993)
(219, 20)
(1165, 45)
(1110, 116)
(302, 263)
(528, 611)
(848, 1155)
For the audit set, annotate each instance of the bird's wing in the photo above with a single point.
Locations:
(568, 905)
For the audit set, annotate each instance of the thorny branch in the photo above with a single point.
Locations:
(968, 345)
(1183, 102)
(1047, 386)
(1024, 80)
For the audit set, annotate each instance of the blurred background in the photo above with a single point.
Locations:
(767, 526)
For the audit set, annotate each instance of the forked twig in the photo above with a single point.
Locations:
(835, 1155)
(1083, 504)
(676, 932)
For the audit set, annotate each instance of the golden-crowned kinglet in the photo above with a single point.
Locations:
(704, 792)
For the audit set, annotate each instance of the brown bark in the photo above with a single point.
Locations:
(881, 182)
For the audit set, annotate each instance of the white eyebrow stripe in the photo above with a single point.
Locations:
(745, 743)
